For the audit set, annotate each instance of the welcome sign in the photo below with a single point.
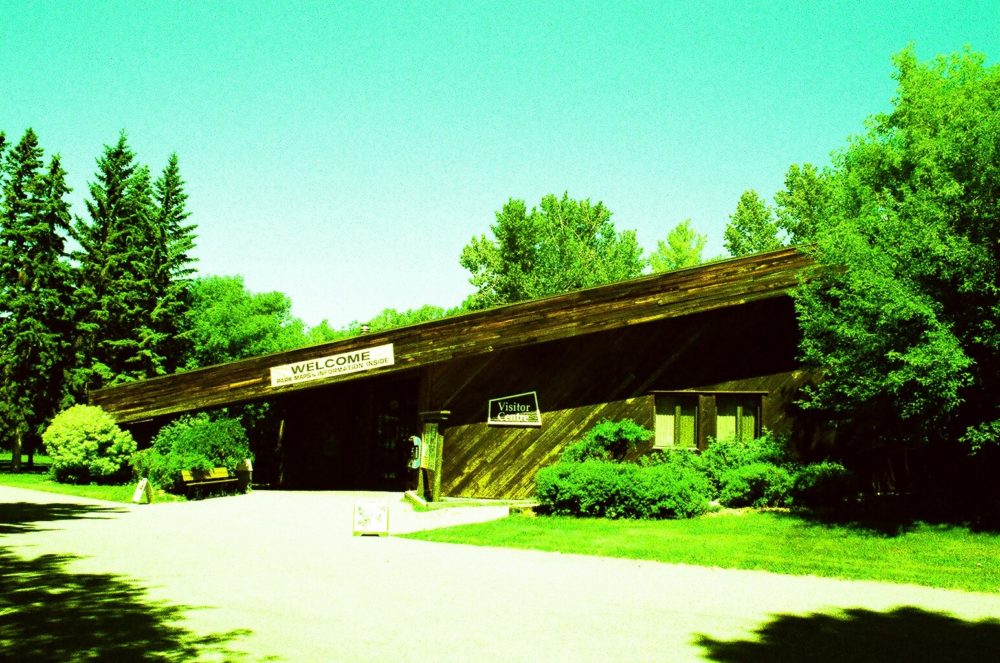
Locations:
(516, 410)
(328, 367)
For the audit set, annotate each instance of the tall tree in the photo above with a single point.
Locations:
(171, 266)
(116, 271)
(561, 245)
(903, 319)
(682, 249)
(802, 206)
(751, 227)
(35, 304)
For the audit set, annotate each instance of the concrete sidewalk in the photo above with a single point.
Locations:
(283, 568)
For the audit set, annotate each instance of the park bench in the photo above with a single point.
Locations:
(197, 480)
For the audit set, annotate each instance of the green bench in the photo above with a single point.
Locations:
(197, 480)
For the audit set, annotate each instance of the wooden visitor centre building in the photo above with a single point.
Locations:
(694, 354)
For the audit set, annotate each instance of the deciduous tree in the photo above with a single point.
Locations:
(228, 322)
(561, 245)
(903, 320)
(752, 227)
(682, 249)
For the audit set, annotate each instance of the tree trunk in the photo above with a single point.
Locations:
(15, 456)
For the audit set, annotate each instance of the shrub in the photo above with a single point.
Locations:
(722, 456)
(669, 490)
(608, 440)
(85, 444)
(598, 488)
(823, 484)
(757, 485)
(192, 443)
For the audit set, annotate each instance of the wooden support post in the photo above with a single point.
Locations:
(434, 442)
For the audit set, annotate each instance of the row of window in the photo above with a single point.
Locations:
(727, 415)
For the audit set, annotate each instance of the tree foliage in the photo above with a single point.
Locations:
(228, 322)
(36, 295)
(903, 320)
(751, 227)
(133, 266)
(682, 249)
(561, 245)
(802, 206)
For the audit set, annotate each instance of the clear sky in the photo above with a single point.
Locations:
(345, 152)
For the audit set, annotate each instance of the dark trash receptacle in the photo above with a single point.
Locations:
(244, 472)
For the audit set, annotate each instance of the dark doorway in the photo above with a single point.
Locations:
(352, 436)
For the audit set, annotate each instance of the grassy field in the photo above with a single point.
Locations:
(938, 556)
(38, 479)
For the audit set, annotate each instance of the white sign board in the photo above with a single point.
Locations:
(371, 517)
(327, 367)
(516, 410)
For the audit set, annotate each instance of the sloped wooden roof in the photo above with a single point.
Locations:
(646, 299)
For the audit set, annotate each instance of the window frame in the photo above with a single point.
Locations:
(706, 403)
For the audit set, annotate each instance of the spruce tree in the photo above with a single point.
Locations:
(117, 249)
(36, 300)
(171, 275)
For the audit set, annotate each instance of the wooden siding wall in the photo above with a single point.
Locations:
(617, 306)
(583, 380)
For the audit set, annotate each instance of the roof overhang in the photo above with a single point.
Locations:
(668, 295)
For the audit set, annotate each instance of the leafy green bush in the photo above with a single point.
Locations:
(608, 440)
(757, 485)
(85, 444)
(597, 488)
(192, 443)
(822, 485)
(722, 456)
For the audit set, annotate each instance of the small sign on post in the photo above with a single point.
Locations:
(144, 488)
(371, 518)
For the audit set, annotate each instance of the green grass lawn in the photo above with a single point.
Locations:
(939, 556)
(41, 481)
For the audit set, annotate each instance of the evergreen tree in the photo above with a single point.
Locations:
(36, 301)
(118, 250)
(751, 228)
(171, 266)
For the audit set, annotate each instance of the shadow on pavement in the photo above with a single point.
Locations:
(17, 517)
(48, 614)
(904, 634)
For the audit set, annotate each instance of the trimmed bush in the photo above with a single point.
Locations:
(608, 440)
(85, 444)
(823, 484)
(757, 485)
(192, 443)
(596, 488)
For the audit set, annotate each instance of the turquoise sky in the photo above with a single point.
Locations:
(344, 153)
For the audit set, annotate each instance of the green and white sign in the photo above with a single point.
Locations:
(516, 410)
(333, 365)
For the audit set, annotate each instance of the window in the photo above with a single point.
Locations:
(737, 417)
(676, 422)
(687, 419)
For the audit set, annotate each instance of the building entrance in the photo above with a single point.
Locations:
(353, 436)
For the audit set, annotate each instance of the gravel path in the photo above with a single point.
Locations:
(284, 570)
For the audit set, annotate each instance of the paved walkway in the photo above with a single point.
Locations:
(278, 576)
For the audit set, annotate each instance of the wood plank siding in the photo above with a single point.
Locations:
(470, 349)
(608, 375)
